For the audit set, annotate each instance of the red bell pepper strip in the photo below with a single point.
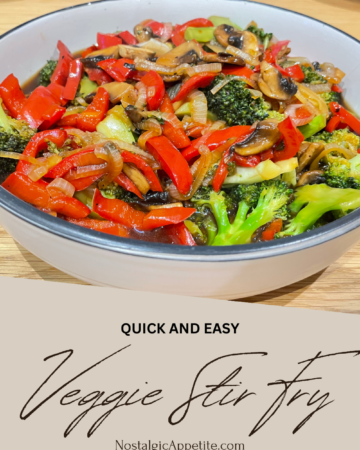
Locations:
(89, 50)
(222, 170)
(155, 89)
(229, 69)
(200, 80)
(268, 57)
(39, 142)
(36, 194)
(57, 92)
(178, 37)
(104, 226)
(274, 227)
(172, 162)
(336, 88)
(180, 235)
(13, 97)
(52, 115)
(246, 161)
(39, 107)
(175, 135)
(333, 124)
(82, 183)
(268, 154)
(75, 74)
(275, 49)
(345, 116)
(125, 182)
(157, 27)
(108, 40)
(98, 75)
(117, 211)
(68, 121)
(95, 112)
(216, 138)
(166, 216)
(294, 72)
(292, 140)
(128, 38)
(116, 68)
(61, 71)
(149, 174)
(83, 158)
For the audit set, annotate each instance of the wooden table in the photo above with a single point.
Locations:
(335, 289)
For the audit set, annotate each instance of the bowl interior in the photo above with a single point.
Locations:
(25, 50)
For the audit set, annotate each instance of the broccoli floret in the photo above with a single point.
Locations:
(312, 77)
(235, 104)
(342, 173)
(319, 199)
(115, 191)
(14, 137)
(46, 73)
(276, 115)
(265, 38)
(331, 96)
(344, 138)
(271, 199)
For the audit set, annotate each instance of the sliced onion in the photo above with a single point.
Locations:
(212, 68)
(62, 185)
(312, 100)
(167, 32)
(19, 157)
(146, 65)
(198, 107)
(150, 125)
(319, 88)
(291, 112)
(331, 73)
(300, 60)
(328, 149)
(202, 140)
(160, 48)
(172, 119)
(217, 125)
(142, 92)
(167, 206)
(86, 171)
(111, 154)
(252, 60)
(136, 177)
(38, 171)
(220, 85)
(255, 93)
(145, 137)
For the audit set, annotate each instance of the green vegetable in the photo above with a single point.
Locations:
(341, 172)
(46, 73)
(87, 86)
(317, 124)
(116, 125)
(185, 110)
(235, 104)
(216, 20)
(14, 137)
(202, 34)
(344, 138)
(265, 201)
(276, 115)
(266, 170)
(329, 97)
(313, 201)
(312, 77)
(265, 38)
(116, 191)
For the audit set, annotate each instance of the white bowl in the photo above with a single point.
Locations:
(220, 272)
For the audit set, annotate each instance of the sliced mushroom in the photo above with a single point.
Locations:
(308, 156)
(244, 40)
(180, 54)
(171, 78)
(264, 136)
(142, 33)
(274, 85)
(117, 90)
(134, 114)
(223, 57)
(132, 52)
(110, 52)
(132, 172)
(311, 177)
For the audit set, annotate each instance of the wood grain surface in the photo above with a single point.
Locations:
(335, 289)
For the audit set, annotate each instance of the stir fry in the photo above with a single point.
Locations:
(204, 133)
